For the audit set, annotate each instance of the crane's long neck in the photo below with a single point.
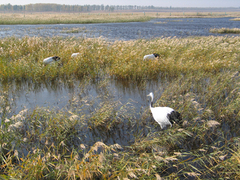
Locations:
(151, 102)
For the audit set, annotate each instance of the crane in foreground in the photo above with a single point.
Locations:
(164, 116)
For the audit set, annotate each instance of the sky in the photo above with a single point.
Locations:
(159, 3)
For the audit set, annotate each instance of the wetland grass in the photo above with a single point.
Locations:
(22, 58)
(114, 17)
(71, 18)
(225, 30)
(203, 83)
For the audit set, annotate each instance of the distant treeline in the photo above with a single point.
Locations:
(41, 7)
(68, 8)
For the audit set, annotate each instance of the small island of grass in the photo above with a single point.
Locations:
(225, 30)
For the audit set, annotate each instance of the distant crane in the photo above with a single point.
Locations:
(50, 60)
(151, 56)
(75, 54)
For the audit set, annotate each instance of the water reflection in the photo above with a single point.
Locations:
(60, 94)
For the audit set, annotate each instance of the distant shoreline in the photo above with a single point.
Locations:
(102, 17)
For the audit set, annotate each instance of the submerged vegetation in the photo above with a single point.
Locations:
(75, 30)
(203, 83)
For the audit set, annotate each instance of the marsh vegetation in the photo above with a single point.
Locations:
(202, 82)
(101, 17)
(226, 30)
(71, 18)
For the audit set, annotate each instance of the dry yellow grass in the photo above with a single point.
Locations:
(68, 18)
(47, 18)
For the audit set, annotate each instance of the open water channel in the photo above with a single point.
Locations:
(165, 27)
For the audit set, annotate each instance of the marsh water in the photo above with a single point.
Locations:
(164, 27)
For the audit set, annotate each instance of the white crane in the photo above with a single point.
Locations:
(151, 56)
(164, 116)
(50, 60)
(75, 54)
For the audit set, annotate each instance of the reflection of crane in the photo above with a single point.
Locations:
(50, 60)
(165, 116)
(151, 56)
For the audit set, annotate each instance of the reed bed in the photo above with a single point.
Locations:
(202, 76)
(21, 59)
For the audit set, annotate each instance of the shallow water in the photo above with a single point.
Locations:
(60, 95)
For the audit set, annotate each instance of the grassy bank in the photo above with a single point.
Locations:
(86, 18)
(203, 83)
